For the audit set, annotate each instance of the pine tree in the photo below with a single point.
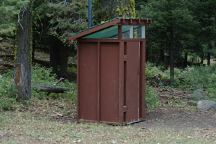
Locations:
(172, 31)
(9, 10)
(23, 53)
(105, 10)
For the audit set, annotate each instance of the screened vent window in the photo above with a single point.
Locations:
(128, 32)
(133, 32)
(110, 33)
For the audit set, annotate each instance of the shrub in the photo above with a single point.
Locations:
(7, 103)
(40, 76)
(152, 98)
(202, 77)
(45, 76)
(7, 92)
(153, 71)
(158, 75)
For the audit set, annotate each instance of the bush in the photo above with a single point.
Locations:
(152, 98)
(40, 76)
(202, 77)
(45, 76)
(7, 104)
(7, 92)
(153, 71)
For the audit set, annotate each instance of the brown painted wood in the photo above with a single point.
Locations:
(121, 82)
(109, 82)
(132, 81)
(99, 82)
(88, 83)
(111, 77)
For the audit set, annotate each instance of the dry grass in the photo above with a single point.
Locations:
(52, 122)
(25, 128)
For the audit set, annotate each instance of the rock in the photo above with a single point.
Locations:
(206, 105)
(3, 135)
(199, 94)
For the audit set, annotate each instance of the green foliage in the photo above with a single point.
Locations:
(152, 98)
(190, 79)
(7, 104)
(202, 77)
(159, 75)
(44, 76)
(181, 26)
(40, 76)
(7, 92)
(9, 10)
(153, 71)
(59, 19)
(173, 26)
(105, 10)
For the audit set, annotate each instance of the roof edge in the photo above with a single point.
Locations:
(115, 21)
(96, 28)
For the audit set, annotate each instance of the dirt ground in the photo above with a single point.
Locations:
(177, 113)
(179, 119)
(52, 122)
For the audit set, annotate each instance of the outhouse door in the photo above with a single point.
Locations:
(132, 72)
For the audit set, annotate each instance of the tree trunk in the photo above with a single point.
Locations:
(161, 57)
(33, 52)
(202, 59)
(171, 65)
(171, 54)
(171, 45)
(185, 59)
(208, 59)
(23, 54)
(63, 62)
(54, 52)
(210, 47)
(59, 56)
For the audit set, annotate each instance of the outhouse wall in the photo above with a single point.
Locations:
(111, 80)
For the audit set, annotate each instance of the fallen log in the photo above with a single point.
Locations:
(50, 89)
(9, 65)
(7, 56)
(41, 62)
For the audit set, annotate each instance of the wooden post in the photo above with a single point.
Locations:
(23, 54)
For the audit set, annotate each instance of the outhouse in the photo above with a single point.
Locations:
(111, 71)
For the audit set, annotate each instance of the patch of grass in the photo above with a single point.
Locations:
(152, 98)
(7, 104)
(7, 92)
(26, 128)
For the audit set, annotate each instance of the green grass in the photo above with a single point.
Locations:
(25, 128)
(152, 98)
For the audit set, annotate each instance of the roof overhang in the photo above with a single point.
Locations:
(116, 21)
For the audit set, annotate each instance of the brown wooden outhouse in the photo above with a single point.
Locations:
(111, 71)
